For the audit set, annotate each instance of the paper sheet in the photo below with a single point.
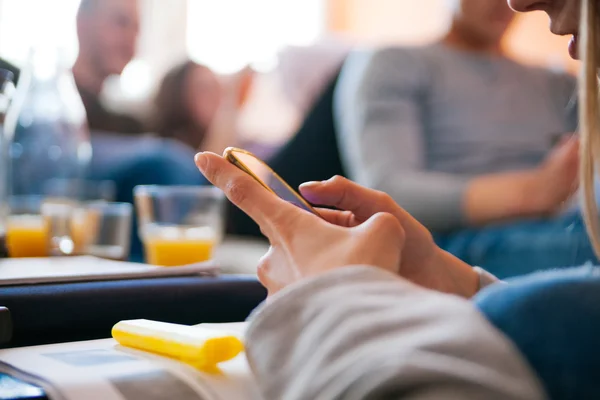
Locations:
(103, 370)
(27, 271)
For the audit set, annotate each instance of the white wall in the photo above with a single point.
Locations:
(416, 22)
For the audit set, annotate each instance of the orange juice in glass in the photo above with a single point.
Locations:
(39, 227)
(27, 236)
(27, 231)
(179, 225)
(173, 246)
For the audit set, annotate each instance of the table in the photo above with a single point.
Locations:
(237, 255)
(55, 313)
(59, 313)
(84, 311)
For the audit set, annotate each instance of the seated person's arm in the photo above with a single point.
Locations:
(362, 333)
(223, 131)
(381, 112)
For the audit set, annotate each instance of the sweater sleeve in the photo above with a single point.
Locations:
(363, 333)
(380, 110)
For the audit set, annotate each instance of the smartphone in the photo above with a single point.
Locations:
(264, 175)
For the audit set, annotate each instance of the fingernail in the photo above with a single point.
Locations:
(309, 185)
(201, 161)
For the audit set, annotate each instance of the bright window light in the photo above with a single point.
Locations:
(136, 80)
(24, 23)
(227, 35)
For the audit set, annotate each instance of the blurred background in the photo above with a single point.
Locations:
(292, 45)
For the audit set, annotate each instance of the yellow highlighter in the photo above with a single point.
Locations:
(195, 346)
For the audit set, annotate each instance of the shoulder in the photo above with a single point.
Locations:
(554, 319)
(389, 60)
(383, 69)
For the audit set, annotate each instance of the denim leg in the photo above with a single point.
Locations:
(523, 247)
(553, 318)
(130, 162)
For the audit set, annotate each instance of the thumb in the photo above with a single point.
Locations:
(383, 225)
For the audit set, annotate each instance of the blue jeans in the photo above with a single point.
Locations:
(133, 161)
(522, 247)
(553, 318)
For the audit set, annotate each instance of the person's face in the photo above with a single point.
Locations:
(203, 95)
(112, 33)
(564, 16)
(485, 21)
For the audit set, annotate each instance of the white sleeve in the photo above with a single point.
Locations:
(363, 333)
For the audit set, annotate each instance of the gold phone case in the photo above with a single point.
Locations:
(229, 156)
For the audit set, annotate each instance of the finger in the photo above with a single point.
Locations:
(269, 211)
(385, 230)
(383, 224)
(263, 273)
(345, 219)
(271, 273)
(346, 195)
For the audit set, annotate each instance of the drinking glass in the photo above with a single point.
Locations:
(26, 230)
(179, 225)
(102, 229)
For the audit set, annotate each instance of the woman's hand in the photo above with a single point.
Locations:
(423, 262)
(536, 192)
(302, 244)
(557, 179)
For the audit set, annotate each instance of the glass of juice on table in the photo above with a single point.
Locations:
(27, 230)
(179, 225)
(39, 226)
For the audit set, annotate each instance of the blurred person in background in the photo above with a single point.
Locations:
(196, 107)
(462, 137)
(108, 32)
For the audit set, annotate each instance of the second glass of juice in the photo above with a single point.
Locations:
(179, 225)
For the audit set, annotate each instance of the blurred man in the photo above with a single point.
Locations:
(462, 137)
(108, 32)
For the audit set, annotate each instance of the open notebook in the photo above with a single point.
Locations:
(102, 370)
(27, 271)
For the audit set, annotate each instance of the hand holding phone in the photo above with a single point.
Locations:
(303, 245)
